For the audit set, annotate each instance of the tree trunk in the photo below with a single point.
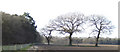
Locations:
(97, 39)
(48, 41)
(70, 39)
(96, 42)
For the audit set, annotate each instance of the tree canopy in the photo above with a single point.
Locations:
(68, 23)
(17, 29)
(101, 25)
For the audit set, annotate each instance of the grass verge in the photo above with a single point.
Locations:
(26, 47)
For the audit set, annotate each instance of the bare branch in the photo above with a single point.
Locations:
(102, 25)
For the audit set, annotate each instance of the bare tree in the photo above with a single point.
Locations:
(69, 23)
(46, 32)
(100, 25)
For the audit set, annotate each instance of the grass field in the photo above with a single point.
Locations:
(74, 47)
(16, 47)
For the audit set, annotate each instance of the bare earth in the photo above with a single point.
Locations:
(55, 47)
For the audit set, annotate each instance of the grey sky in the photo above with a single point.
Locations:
(44, 10)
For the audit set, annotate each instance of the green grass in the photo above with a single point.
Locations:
(26, 47)
(7, 48)
(21, 50)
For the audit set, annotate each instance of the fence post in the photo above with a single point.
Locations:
(21, 46)
(8, 47)
(15, 47)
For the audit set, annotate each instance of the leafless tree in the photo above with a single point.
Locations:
(100, 25)
(68, 23)
(46, 32)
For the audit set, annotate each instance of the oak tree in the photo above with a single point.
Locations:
(68, 23)
(100, 26)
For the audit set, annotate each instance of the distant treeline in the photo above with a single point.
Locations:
(80, 40)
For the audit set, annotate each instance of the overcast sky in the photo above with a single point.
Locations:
(44, 10)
